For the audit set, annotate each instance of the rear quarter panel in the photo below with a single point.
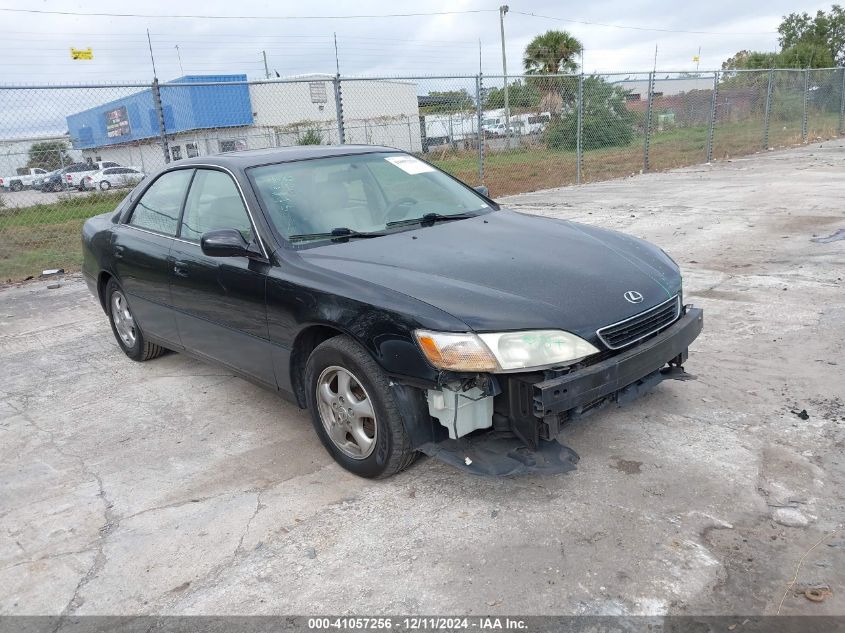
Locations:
(96, 248)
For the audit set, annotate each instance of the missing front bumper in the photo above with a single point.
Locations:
(537, 408)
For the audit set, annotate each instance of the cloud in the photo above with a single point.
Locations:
(35, 48)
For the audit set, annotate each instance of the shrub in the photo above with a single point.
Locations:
(607, 122)
(312, 136)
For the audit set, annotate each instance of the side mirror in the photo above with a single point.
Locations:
(224, 243)
(484, 191)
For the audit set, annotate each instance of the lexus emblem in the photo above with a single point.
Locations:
(632, 296)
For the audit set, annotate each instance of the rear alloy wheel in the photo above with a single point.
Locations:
(16, 186)
(354, 410)
(105, 185)
(126, 330)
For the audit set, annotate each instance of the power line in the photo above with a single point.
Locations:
(641, 28)
(124, 36)
(248, 17)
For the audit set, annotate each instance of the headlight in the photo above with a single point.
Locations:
(502, 351)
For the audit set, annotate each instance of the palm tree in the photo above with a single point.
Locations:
(550, 53)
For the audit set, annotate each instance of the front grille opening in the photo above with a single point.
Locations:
(640, 326)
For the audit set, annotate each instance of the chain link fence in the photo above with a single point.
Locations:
(70, 152)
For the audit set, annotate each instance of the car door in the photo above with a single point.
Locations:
(141, 250)
(220, 301)
(115, 176)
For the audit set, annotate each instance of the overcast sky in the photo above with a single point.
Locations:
(35, 47)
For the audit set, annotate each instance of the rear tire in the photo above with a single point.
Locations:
(16, 186)
(126, 331)
(105, 185)
(385, 442)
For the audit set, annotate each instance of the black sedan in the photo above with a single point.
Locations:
(405, 310)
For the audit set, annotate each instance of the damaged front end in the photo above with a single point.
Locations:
(508, 423)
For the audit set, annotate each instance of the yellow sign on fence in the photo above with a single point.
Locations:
(81, 53)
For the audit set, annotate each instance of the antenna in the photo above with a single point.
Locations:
(655, 58)
(266, 70)
(336, 58)
(179, 55)
(152, 59)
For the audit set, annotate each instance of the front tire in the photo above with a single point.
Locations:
(105, 185)
(353, 410)
(126, 331)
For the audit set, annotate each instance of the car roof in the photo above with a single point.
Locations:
(253, 157)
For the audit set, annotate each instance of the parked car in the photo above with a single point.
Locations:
(405, 310)
(75, 174)
(55, 181)
(22, 181)
(38, 183)
(110, 177)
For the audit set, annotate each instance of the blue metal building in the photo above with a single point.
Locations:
(185, 107)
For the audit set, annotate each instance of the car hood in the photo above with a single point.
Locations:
(507, 271)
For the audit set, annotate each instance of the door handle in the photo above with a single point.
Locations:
(179, 271)
(118, 252)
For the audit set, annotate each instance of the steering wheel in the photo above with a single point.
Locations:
(393, 210)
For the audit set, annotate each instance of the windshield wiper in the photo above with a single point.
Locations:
(431, 218)
(339, 233)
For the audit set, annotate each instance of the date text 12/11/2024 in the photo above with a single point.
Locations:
(429, 623)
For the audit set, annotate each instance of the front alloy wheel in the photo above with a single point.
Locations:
(354, 409)
(346, 412)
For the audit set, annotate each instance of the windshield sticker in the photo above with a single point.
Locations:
(409, 164)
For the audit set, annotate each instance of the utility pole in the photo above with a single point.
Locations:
(179, 55)
(266, 70)
(502, 11)
(479, 55)
(336, 57)
(159, 108)
(152, 59)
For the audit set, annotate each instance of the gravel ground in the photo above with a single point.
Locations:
(173, 487)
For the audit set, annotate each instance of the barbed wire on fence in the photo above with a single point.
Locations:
(68, 152)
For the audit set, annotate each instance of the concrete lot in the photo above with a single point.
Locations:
(173, 487)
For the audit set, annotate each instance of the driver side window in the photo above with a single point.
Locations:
(214, 202)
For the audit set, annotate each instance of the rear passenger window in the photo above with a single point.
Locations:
(158, 209)
(214, 203)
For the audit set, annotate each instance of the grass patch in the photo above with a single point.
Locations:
(537, 167)
(48, 235)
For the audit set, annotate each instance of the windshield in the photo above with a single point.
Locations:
(361, 192)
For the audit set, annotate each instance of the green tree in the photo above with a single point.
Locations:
(49, 155)
(805, 55)
(447, 101)
(552, 52)
(825, 29)
(750, 60)
(606, 121)
(520, 95)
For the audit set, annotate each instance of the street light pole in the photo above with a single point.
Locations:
(502, 10)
